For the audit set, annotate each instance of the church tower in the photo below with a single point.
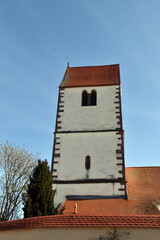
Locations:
(88, 150)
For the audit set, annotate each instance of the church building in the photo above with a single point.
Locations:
(100, 198)
(88, 152)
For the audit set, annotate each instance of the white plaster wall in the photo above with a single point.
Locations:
(85, 233)
(100, 146)
(101, 189)
(81, 118)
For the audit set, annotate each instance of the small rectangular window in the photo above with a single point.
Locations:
(87, 162)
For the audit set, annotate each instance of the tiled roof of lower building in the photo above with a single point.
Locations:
(143, 183)
(73, 221)
(111, 207)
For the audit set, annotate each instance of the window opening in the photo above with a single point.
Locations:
(93, 99)
(87, 162)
(84, 98)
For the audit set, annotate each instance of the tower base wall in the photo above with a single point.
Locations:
(88, 191)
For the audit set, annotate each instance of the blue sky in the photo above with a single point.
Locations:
(39, 37)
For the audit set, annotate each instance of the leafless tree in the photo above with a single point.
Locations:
(16, 165)
(113, 235)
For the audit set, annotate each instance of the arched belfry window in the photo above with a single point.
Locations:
(87, 162)
(89, 99)
(93, 99)
(84, 98)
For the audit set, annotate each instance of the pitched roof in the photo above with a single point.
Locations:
(143, 183)
(82, 221)
(91, 76)
(111, 207)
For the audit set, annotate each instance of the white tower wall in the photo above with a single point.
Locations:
(86, 118)
(94, 131)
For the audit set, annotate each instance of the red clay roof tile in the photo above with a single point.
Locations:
(91, 76)
(111, 207)
(82, 221)
(143, 183)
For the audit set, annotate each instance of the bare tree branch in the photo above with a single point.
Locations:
(16, 165)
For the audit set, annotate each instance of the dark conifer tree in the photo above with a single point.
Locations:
(40, 195)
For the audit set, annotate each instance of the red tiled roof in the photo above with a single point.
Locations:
(111, 207)
(91, 76)
(143, 183)
(82, 221)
